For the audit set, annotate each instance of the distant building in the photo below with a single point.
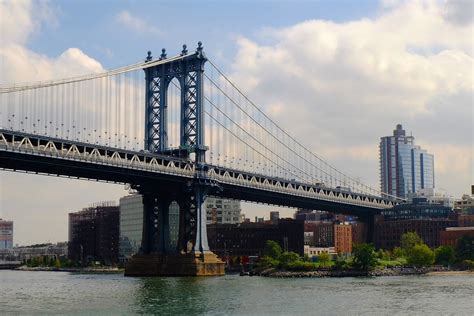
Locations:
(131, 225)
(465, 204)
(433, 196)
(465, 220)
(222, 211)
(426, 219)
(312, 216)
(58, 250)
(249, 239)
(323, 234)
(451, 235)
(274, 217)
(316, 251)
(404, 167)
(94, 234)
(6, 234)
(343, 238)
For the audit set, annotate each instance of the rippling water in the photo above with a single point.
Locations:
(67, 293)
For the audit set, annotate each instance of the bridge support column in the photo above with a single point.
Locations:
(370, 223)
(192, 256)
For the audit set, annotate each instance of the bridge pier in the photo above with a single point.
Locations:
(191, 256)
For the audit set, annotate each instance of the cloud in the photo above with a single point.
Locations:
(135, 23)
(339, 87)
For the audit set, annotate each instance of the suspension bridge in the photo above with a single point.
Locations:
(174, 131)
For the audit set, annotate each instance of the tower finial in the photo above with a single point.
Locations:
(199, 49)
(149, 57)
(163, 53)
(184, 51)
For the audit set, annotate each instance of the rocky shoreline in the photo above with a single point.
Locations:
(398, 271)
(76, 270)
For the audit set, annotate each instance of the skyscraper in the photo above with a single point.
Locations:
(404, 167)
(6, 234)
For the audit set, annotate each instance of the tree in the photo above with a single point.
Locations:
(287, 258)
(420, 255)
(324, 259)
(397, 253)
(57, 263)
(364, 256)
(444, 255)
(410, 240)
(272, 249)
(465, 248)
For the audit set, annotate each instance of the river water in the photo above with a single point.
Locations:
(23, 292)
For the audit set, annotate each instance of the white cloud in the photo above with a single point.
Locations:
(341, 86)
(135, 23)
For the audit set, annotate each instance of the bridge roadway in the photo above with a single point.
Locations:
(60, 157)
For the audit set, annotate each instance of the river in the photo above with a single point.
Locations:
(27, 292)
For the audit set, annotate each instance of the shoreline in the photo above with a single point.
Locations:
(73, 270)
(402, 271)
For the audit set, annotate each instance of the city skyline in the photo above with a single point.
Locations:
(260, 58)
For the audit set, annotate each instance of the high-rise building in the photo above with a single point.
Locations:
(404, 167)
(131, 225)
(6, 234)
(94, 234)
(222, 211)
(274, 217)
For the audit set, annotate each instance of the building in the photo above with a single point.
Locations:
(312, 216)
(6, 234)
(465, 204)
(249, 239)
(359, 232)
(450, 236)
(404, 167)
(131, 225)
(465, 220)
(316, 251)
(274, 216)
(222, 211)
(94, 234)
(323, 234)
(427, 220)
(433, 196)
(343, 238)
(49, 250)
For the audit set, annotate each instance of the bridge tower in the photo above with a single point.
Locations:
(191, 256)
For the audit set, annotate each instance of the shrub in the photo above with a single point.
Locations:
(301, 266)
(287, 258)
(444, 255)
(420, 255)
(272, 249)
(364, 256)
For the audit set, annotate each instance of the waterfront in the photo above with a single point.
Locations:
(68, 293)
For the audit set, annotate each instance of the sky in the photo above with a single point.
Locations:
(337, 75)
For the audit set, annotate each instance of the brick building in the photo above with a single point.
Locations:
(249, 239)
(450, 236)
(427, 220)
(94, 234)
(343, 238)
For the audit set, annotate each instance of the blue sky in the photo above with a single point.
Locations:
(93, 27)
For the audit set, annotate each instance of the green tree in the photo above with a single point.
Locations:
(272, 249)
(410, 240)
(57, 263)
(397, 253)
(287, 258)
(465, 248)
(444, 255)
(420, 255)
(364, 256)
(324, 259)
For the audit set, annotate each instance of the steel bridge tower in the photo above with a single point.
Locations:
(191, 256)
